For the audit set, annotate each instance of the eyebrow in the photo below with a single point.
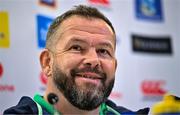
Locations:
(106, 44)
(78, 40)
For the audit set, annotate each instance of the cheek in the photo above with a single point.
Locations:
(68, 62)
(109, 68)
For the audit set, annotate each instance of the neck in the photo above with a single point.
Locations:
(64, 106)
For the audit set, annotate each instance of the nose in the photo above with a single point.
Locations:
(91, 58)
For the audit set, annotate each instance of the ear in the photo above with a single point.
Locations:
(46, 62)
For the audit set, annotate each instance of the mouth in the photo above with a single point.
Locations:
(88, 77)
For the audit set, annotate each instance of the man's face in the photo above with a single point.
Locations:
(84, 61)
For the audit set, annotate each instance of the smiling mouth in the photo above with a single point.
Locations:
(89, 75)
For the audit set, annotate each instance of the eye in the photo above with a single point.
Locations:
(104, 52)
(76, 48)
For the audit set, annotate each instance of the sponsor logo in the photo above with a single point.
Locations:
(49, 3)
(43, 24)
(4, 30)
(149, 44)
(43, 80)
(1, 70)
(100, 2)
(153, 89)
(115, 95)
(5, 87)
(149, 10)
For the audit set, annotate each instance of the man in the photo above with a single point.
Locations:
(79, 61)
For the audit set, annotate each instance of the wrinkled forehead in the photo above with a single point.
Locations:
(89, 25)
(94, 26)
(88, 28)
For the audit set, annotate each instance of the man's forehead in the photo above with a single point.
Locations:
(89, 29)
(76, 25)
(91, 25)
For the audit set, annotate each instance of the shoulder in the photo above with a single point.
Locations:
(126, 111)
(25, 106)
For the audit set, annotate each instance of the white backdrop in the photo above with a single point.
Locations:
(143, 75)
